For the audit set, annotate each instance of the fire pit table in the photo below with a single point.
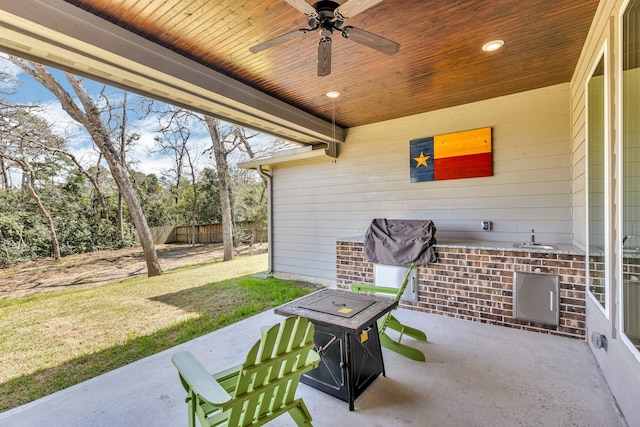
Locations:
(346, 338)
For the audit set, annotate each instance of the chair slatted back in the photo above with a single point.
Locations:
(384, 321)
(269, 377)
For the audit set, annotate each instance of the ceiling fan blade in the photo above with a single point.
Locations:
(278, 40)
(324, 56)
(351, 8)
(303, 7)
(371, 40)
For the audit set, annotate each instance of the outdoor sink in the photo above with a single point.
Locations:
(631, 250)
(529, 245)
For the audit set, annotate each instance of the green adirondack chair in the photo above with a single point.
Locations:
(260, 389)
(390, 322)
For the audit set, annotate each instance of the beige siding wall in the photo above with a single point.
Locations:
(320, 201)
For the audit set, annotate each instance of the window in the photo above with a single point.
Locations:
(596, 178)
(630, 242)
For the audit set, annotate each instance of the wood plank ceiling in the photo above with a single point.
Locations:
(440, 63)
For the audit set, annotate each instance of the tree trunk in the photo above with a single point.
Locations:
(194, 206)
(222, 166)
(4, 174)
(55, 245)
(123, 145)
(120, 215)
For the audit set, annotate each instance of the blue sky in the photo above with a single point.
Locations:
(31, 92)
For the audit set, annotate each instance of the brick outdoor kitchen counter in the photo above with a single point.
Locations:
(474, 281)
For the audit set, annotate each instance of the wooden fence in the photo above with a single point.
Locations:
(244, 232)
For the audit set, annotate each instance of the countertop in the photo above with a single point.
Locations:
(559, 248)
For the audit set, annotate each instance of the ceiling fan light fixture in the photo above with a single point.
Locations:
(333, 94)
(325, 17)
(493, 45)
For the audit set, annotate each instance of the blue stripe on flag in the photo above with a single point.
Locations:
(421, 149)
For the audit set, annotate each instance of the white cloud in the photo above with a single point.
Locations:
(60, 122)
(145, 150)
(77, 139)
(10, 74)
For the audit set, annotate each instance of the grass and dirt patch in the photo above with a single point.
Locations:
(90, 269)
(52, 340)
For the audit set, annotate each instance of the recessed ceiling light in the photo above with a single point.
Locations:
(333, 94)
(493, 45)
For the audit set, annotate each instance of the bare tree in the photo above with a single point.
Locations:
(8, 123)
(176, 131)
(224, 141)
(25, 138)
(246, 147)
(220, 153)
(6, 109)
(88, 114)
(5, 176)
(28, 179)
(116, 122)
(175, 127)
(194, 185)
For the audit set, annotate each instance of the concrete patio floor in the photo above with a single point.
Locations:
(475, 375)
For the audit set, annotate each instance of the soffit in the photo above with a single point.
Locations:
(440, 63)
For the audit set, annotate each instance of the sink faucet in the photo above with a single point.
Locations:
(625, 238)
(533, 237)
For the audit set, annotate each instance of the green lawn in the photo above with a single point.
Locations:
(54, 340)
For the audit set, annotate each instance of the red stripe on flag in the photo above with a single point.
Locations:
(471, 166)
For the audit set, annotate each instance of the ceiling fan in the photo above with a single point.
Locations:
(325, 17)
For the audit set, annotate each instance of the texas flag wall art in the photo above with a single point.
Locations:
(452, 156)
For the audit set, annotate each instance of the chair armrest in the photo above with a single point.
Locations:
(313, 359)
(357, 288)
(199, 379)
(227, 373)
(228, 378)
